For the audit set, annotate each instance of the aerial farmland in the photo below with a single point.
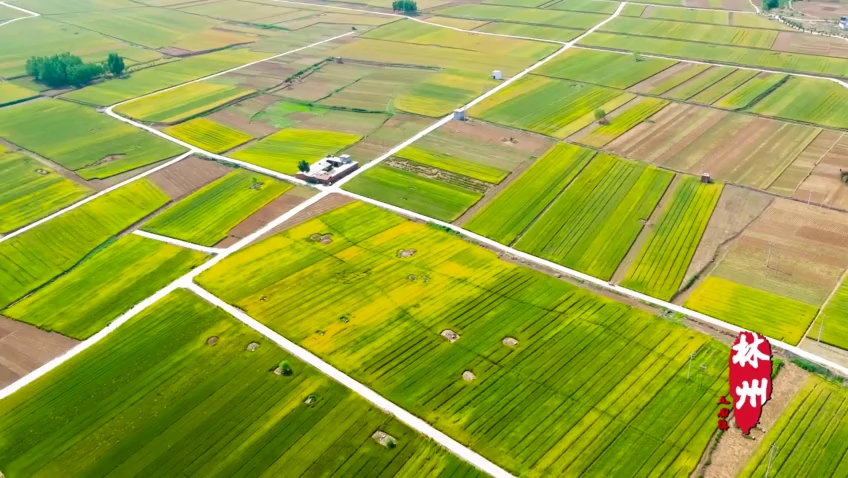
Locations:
(422, 237)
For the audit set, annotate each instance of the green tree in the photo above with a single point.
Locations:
(63, 70)
(601, 115)
(115, 64)
(303, 166)
(406, 6)
(770, 4)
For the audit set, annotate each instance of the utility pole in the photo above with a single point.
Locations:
(771, 458)
(689, 372)
(821, 327)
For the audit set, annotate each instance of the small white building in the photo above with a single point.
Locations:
(329, 170)
(496, 75)
(459, 115)
(843, 23)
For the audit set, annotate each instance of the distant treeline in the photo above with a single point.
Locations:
(406, 6)
(59, 71)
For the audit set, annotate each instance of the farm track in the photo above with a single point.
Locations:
(186, 281)
(31, 14)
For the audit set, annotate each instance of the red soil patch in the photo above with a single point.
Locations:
(24, 348)
(327, 204)
(183, 178)
(268, 213)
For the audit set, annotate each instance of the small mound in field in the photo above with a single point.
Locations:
(251, 347)
(412, 277)
(42, 172)
(450, 335)
(344, 319)
(384, 439)
(321, 238)
(310, 400)
(404, 253)
(212, 340)
(278, 371)
(468, 376)
(256, 185)
(510, 341)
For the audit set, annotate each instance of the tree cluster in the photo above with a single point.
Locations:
(59, 71)
(405, 6)
(771, 4)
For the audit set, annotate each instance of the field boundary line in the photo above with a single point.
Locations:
(88, 199)
(472, 103)
(177, 242)
(580, 276)
(360, 389)
(31, 14)
(824, 305)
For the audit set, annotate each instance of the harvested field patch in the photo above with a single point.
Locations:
(807, 44)
(283, 150)
(536, 16)
(270, 211)
(734, 55)
(591, 226)
(30, 191)
(440, 175)
(570, 426)
(668, 78)
(213, 39)
(694, 32)
(824, 184)
(104, 286)
(24, 348)
(532, 31)
(183, 178)
(453, 164)
(374, 92)
(800, 169)
(621, 121)
(209, 135)
(322, 83)
(805, 99)
(541, 104)
(753, 309)
(698, 83)
(78, 138)
(603, 68)
(516, 207)
(663, 260)
(35, 257)
(438, 199)
(182, 103)
(162, 352)
(808, 437)
(749, 92)
(792, 250)
(205, 216)
(727, 84)
(731, 147)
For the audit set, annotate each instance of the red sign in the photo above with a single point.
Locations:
(750, 378)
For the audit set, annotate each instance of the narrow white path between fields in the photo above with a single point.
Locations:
(378, 400)
(177, 242)
(88, 199)
(31, 14)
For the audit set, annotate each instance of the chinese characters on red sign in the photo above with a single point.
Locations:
(750, 380)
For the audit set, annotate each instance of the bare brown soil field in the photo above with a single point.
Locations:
(793, 250)
(733, 449)
(810, 44)
(319, 84)
(181, 179)
(239, 116)
(824, 185)
(397, 129)
(24, 348)
(736, 209)
(826, 10)
(269, 212)
(803, 165)
(731, 147)
(327, 204)
(486, 143)
(738, 5)
(654, 81)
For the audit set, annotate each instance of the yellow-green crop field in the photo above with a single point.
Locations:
(284, 149)
(804, 99)
(589, 6)
(831, 326)
(31, 259)
(725, 85)
(454, 164)
(594, 222)
(11, 93)
(664, 258)
(684, 72)
(83, 301)
(80, 139)
(437, 199)
(543, 105)
(590, 380)
(603, 68)
(695, 32)
(515, 208)
(532, 31)
(635, 114)
(751, 91)
(30, 191)
(810, 439)
(205, 216)
(441, 93)
(589, 118)
(153, 398)
(753, 309)
(208, 134)
(148, 80)
(699, 83)
(182, 103)
(536, 16)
